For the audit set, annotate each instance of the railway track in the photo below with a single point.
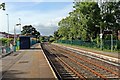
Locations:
(63, 70)
(94, 59)
(77, 66)
(112, 61)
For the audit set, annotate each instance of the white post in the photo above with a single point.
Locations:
(111, 42)
(14, 35)
(101, 42)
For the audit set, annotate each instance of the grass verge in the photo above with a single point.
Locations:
(88, 48)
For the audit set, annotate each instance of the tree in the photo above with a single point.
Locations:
(89, 15)
(63, 31)
(81, 23)
(88, 20)
(56, 35)
(2, 6)
(30, 30)
(110, 16)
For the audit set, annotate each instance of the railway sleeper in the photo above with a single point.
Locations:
(70, 78)
(110, 76)
(87, 75)
(69, 75)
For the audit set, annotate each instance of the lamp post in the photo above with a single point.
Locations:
(14, 35)
(111, 42)
(110, 32)
(14, 38)
(8, 24)
(15, 26)
(20, 24)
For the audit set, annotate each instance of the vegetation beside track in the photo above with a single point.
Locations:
(89, 48)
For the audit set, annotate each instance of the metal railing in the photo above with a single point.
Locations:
(106, 44)
(6, 48)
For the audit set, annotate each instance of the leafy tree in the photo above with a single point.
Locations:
(51, 38)
(30, 30)
(81, 23)
(2, 6)
(56, 35)
(110, 16)
(87, 20)
(63, 30)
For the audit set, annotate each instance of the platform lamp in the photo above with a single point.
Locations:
(20, 25)
(15, 34)
(8, 24)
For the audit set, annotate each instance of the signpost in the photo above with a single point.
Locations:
(110, 33)
(101, 35)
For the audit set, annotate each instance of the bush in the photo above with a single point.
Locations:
(5, 41)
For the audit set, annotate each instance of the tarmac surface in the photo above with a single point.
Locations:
(30, 64)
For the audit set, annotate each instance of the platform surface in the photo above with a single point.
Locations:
(29, 64)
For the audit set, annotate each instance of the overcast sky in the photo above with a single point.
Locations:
(44, 16)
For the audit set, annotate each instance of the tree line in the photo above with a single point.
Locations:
(88, 20)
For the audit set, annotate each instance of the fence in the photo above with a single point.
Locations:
(8, 47)
(94, 44)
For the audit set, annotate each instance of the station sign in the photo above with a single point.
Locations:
(107, 32)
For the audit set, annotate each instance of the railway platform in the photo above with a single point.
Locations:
(28, 64)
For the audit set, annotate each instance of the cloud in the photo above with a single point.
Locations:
(3, 25)
(46, 30)
(45, 22)
(49, 28)
(37, 0)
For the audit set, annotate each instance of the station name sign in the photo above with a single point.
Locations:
(107, 32)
